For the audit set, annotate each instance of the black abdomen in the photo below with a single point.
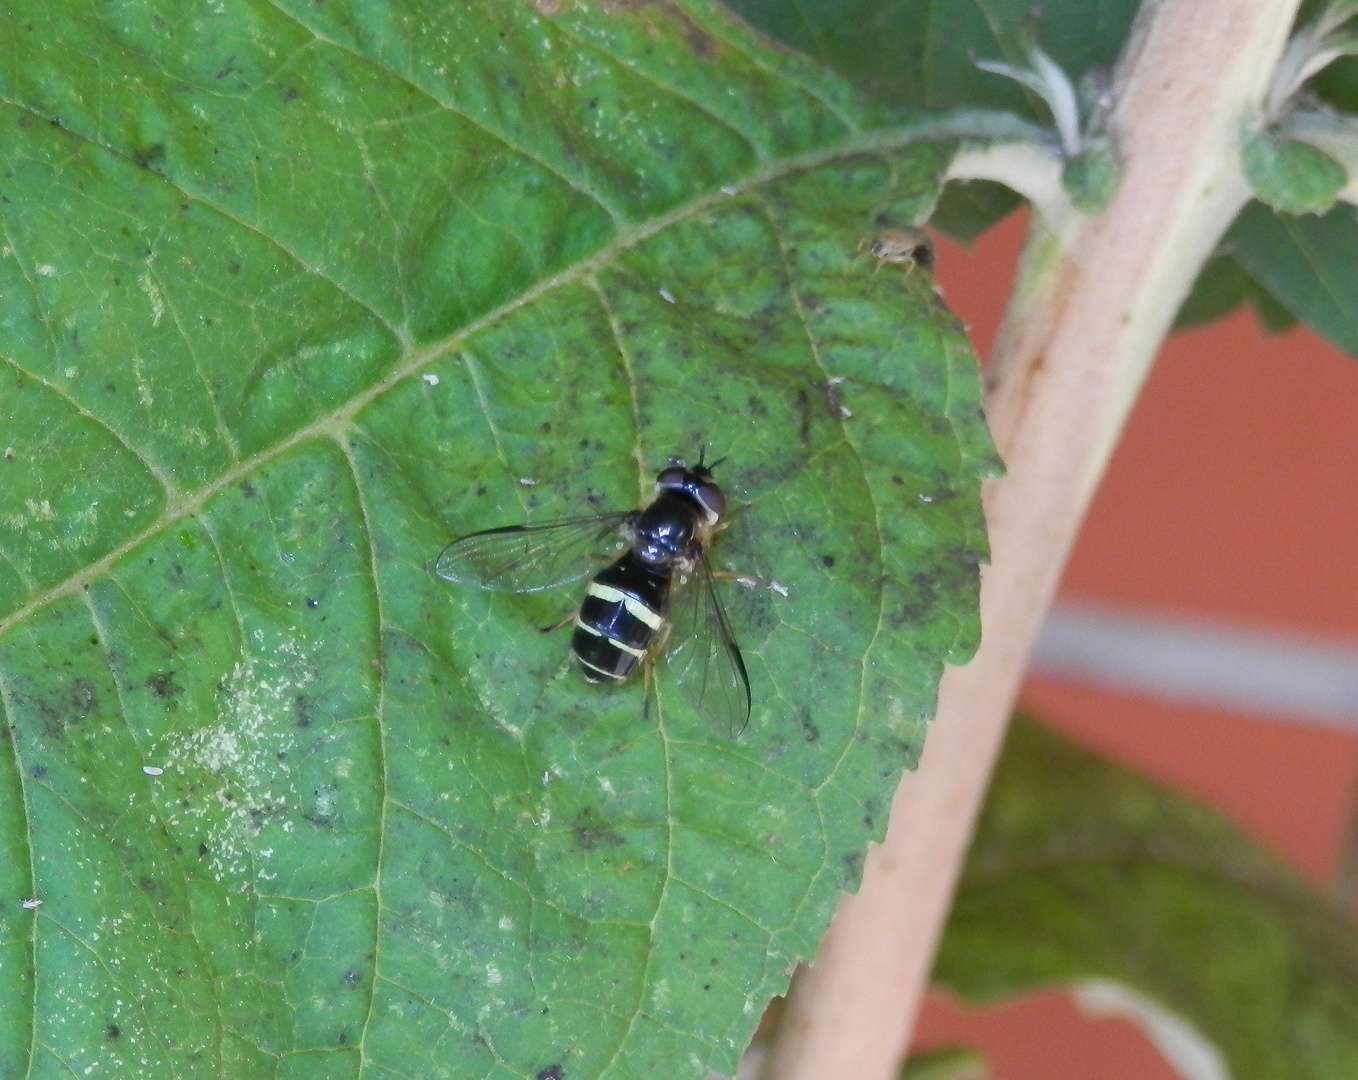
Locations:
(623, 611)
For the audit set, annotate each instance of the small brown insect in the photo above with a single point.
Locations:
(904, 246)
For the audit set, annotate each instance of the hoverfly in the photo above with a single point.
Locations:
(657, 597)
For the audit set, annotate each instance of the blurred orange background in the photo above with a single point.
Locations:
(1231, 498)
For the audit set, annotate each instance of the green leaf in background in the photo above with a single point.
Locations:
(1291, 176)
(1222, 286)
(921, 53)
(1309, 264)
(968, 207)
(1083, 871)
(944, 1063)
(294, 293)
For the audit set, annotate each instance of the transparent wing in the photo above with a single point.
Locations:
(528, 558)
(703, 657)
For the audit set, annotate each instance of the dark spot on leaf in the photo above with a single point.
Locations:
(853, 868)
(551, 1072)
(343, 1038)
(301, 710)
(288, 93)
(39, 771)
(112, 1032)
(66, 707)
(481, 490)
(757, 407)
(707, 986)
(232, 267)
(809, 730)
(162, 684)
(248, 489)
(148, 156)
(312, 603)
(202, 851)
(897, 481)
(351, 977)
(591, 833)
(804, 407)
(827, 561)
(229, 68)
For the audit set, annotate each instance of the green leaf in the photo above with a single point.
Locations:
(968, 207)
(1084, 871)
(1310, 264)
(295, 293)
(944, 1063)
(1222, 286)
(1290, 175)
(921, 53)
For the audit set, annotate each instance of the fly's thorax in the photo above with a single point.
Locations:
(670, 530)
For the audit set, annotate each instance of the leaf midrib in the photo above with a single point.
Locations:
(336, 421)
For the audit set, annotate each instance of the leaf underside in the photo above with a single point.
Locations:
(1082, 870)
(293, 295)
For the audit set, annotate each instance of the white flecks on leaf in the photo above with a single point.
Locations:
(246, 752)
(430, 378)
(152, 291)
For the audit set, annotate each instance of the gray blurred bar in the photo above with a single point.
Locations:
(1188, 661)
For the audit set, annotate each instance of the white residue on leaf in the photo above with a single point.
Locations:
(493, 976)
(607, 785)
(143, 387)
(41, 509)
(430, 378)
(245, 752)
(506, 923)
(152, 291)
(667, 296)
(44, 270)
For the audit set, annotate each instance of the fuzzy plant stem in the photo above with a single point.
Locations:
(1081, 332)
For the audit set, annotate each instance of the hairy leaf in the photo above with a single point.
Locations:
(1291, 176)
(1084, 871)
(295, 293)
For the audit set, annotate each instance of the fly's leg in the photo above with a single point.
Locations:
(558, 625)
(648, 690)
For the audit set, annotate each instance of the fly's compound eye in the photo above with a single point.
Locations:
(674, 478)
(712, 498)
